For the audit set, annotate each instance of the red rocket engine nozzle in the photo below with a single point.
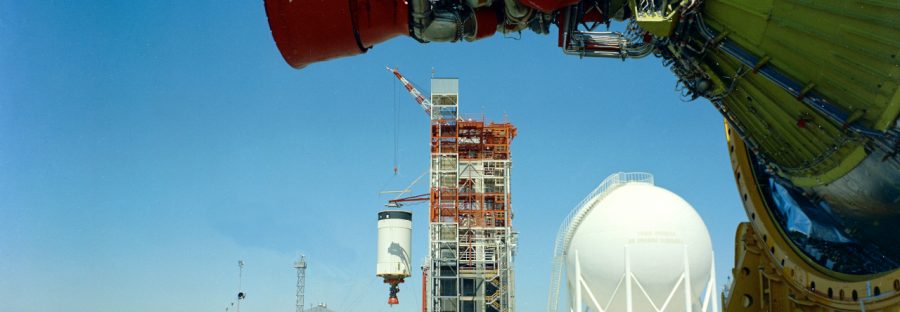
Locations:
(395, 288)
(309, 31)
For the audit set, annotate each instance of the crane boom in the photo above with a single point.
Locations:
(421, 99)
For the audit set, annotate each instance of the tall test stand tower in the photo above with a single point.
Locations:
(471, 241)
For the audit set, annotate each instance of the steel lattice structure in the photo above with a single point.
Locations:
(471, 242)
(300, 265)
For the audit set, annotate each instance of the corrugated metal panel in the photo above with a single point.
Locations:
(445, 85)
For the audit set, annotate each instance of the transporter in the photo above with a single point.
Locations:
(808, 91)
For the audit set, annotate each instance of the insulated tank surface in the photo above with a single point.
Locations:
(634, 246)
(649, 224)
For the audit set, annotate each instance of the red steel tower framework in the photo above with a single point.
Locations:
(471, 241)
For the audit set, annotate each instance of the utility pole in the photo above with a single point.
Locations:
(240, 295)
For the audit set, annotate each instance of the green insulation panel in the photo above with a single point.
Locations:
(846, 51)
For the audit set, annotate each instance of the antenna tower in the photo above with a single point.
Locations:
(300, 265)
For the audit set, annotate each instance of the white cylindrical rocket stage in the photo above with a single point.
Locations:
(394, 249)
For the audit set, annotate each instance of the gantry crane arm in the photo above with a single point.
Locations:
(421, 99)
(399, 201)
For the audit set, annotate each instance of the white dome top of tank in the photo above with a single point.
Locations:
(660, 232)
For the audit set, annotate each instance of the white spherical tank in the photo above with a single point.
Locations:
(394, 235)
(659, 230)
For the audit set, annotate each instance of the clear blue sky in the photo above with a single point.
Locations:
(146, 146)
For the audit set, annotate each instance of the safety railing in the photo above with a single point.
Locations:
(574, 219)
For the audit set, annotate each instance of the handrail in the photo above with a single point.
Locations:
(574, 219)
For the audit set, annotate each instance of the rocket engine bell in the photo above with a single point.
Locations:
(394, 236)
(309, 31)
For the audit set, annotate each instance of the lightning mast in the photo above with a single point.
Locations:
(300, 265)
(240, 295)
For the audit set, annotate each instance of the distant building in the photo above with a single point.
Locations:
(319, 308)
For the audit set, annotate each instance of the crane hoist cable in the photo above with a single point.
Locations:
(423, 102)
(396, 104)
